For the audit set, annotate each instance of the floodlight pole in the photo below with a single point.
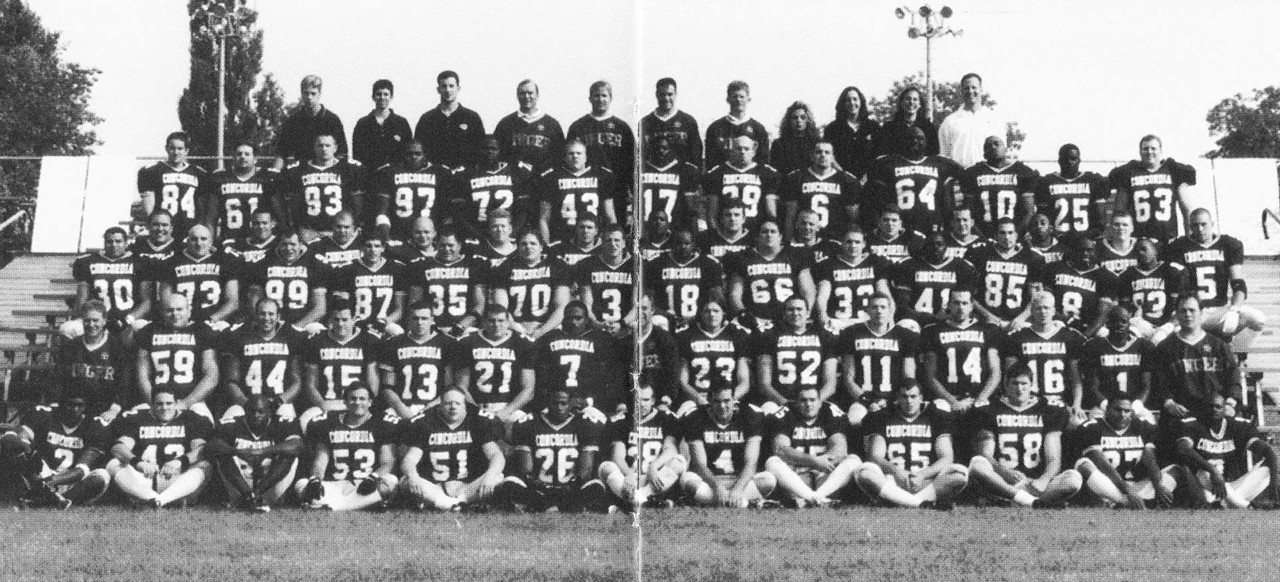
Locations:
(930, 26)
(222, 96)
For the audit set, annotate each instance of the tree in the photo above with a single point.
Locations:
(44, 102)
(1249, 126)
(246, 109)
(946, 98)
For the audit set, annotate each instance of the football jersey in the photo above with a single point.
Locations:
(644, 439)
(451, 453)
(412, 194)
(237, 432)
(681, 287)
(716, 245)
(535, 140)
(1019, 433)
(175, 191)
(1118, 368)
(157, 441)
(1152, 294)
(587, 364)
(264, 362)
(1047, 356)
(818, 250)
(957, 249)
(570, 253)
(449, 286)
(530, 287)
(681, 131)
(418, 367)
(572, 195)
(666, 188)
(810, 436)
(508, 187)
(915, 187)
(909, 442)
(556, 447)
(1152, 196)
(1006, 279)
(852, 284)
(340, 364)
(1192, 374)
(317, 194)
(247, 252)
(234, 200)
(611, 286)
(201, 280)
(371, 288)
(101, 374)
(722, 133)
(797, 357)
(706, 353)
(768, 282)
(1072, 202)
(485, 250)
(176, 364)
(353, 450)
(878, 358)
(335, 254)
(994, 193)
(290, 284)
(151, 257)
(115, 282)
(725, 444)
(828, 196)
(660, 361)
(1079, 292)
(1223, 443)
(1122, 448)
(961, 354)
(610, 143)
(652, 249)
(928, 286)
(750, 186)
(59, 446)
(1114, 260)
(907, 244)
(1051, 252)
(495, 367)
(1208, 266)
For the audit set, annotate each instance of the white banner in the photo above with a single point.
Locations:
(79, 198)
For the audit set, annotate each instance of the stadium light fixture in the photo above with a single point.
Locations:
(215, 22)
(931, 24)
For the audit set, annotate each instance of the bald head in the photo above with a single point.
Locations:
(199, 240)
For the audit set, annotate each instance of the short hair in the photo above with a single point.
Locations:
(499, 213)
(1066, 147)
(263, 210)
(178, 135)
(159, 212)
(600, 84)
(159, 391)
(311, 81)
(611, 228)
(1018, 369)
(115, 230)
(264, 300)
(494, 308)
(578, 304)
(1003, 221)
(288, 233)
(968, 76)
(420, 304)
(529, 82)
(880, 295)
(1151, 137)
(738, 85)
(665, 81)
(904, 385)
(356, 386)
(447, 74)
(338, 305)
(573, 141)
(92, 305)
(384, 84)
(731, 204)
(890, 209)
(852, 229)
(1185, 297)
(589, 217)
(447, 231)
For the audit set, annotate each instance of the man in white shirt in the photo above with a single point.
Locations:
(962, 133)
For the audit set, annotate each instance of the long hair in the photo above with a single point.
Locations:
(863, 114)
(811, 130)
(899, 114)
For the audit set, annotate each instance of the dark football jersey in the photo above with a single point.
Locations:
(1006, 279)
(115, 282)
(716, 245)
(1223, 443)
(1152, 196)
(234, 200)
(818, 250)
(667, 188)
(59, 445)
(248, 252)
(1051, 251)
(712, 353)
(451, 453)
(994, 193)
(1078, 292)
(644, 439)
(537, 141)
(530, 287)
(852, 284)
(237, 433)
(659, 362)
(290, 284)
(1208, 266)
(750, 186)
(418, 367)
(176, 364)
(907, 244)
(102, 374)
(1152, 294)
(317, 194)
(611, 286)
(570, 253)
(1114, 260)
(1193, 373)
(957, 249)
(1122, 448)
(681, 287)
(485, 250)
(928, 286)
(587, 364)
(878, 358)
(797, 357)
(915, 187)
(909, 442)
(652, 249)
(201, 280)
(264, 362)
(449, 286)
(1072, 202)
(556, 447)
(335, 254)
(371, 288)
(680, 128)
(1019, 433)
(810, 436)
(495, 367)
(768, 282)
(610, 143)
(175, 191)
(828, 196)
(151, 257)
(412, 194)
(509, 187)
(1047, 356)
(962, 354)
(158, 441)
(341, 364)
(572, 195)
(1117, 366)
(353, 450)
(722, 133)
(726, 444)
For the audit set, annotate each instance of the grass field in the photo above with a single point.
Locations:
(680, 544)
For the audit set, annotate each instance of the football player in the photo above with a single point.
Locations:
(417, 364)
(454, 284)
(604, 280)
(766, 275)
(341, 357)
(452, 133)
(341, 247)
(1117, 365)
(1118, 462)
(491, 186)
(1215, 269)
(113, 276)
(959, 357)
(177, 355)
(730, 236)
(680, 128)
(583, 360)
(670, 185)
(910, 458)
(1011, 273)
(408, 190)
(1076, 200)
(375, 286)
(529, 135)
(876, 355)
(610, 143)
(807, 238)
(999, 187)
(743, 178)
(683, 278)
(655, 237)
(643, 463)
(1191, 367)
(497, 245)
(1085, 291)
(661, 353)
(97, 366)
(154, 249)
(890, 241)
(496, 366)
(925, 282)
(1153, 190)
(1051, 350)
(574, 189)
(353, 454)
(323, 186)
(256, 244)
(157, 452)
(451, 457)
(1118, 249)
(846, 282)
(585, 242)
(172, 185)
(1150, 289)
(723, 133)
(831, 193)
(1043, 240)
(296, 280)
(262, 359)
(811, 459)
(256, 453)
(709, 347)
(724, 442)
(792, 355)
(961, 237)
(58, 452)
(564, 445)
(420, 246)
(532, 286)
(236, 193)
(209, 280)
(1216, 448)
(917, 184)
(310, 120)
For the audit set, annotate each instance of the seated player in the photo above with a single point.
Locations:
(808, 238)
(793, 355)
(1118, 459)
(730, 235)
(256, 244)
(407, 190)
(1117, 250)
(683, 278)
(58, 452)
(1009, 273)
(419, 246)
(1052, 351)
(1150, 289)
(910, 458)
(352, 456)
(157, 452)
(724, 442)
(295, 280)
(846, 282)
(1215, 448)
(261, 358)
(564, 443)
(924, 283)
(177, 355)
(604, 280)
(1215, 270)
(97, 366)
(876, 356)
(256, 453)
(573, 190)
(890, 240)
(712, 346)
(376, 287)
(451, 456)
(455, 284)
(1042, 240)
(112, 276)
(585, 242)
(335, 360)
(584, 360)
(643, 463)
(959, 357)
(417, 364)
(1019, 445)
(811, 458)
(1085, 291)
(1117, 365)
(1191, 367)
(497, 245)
(210, 280)
(960, 237)
(342, 246)
(655, 238)
(533, 287)
(765, 276)
(496, 367)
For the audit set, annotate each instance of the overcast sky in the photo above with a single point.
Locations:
(1100, 74)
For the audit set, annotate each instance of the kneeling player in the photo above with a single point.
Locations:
(257, 453)
(1118, 459)
(811, 453)
(647, 445)
(353, 454)
(563, 442)
(1215, 448)
(458, 450)
(1026, 432)
(724, 446)
(157, 455)
(910, 461)
(56, 453)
